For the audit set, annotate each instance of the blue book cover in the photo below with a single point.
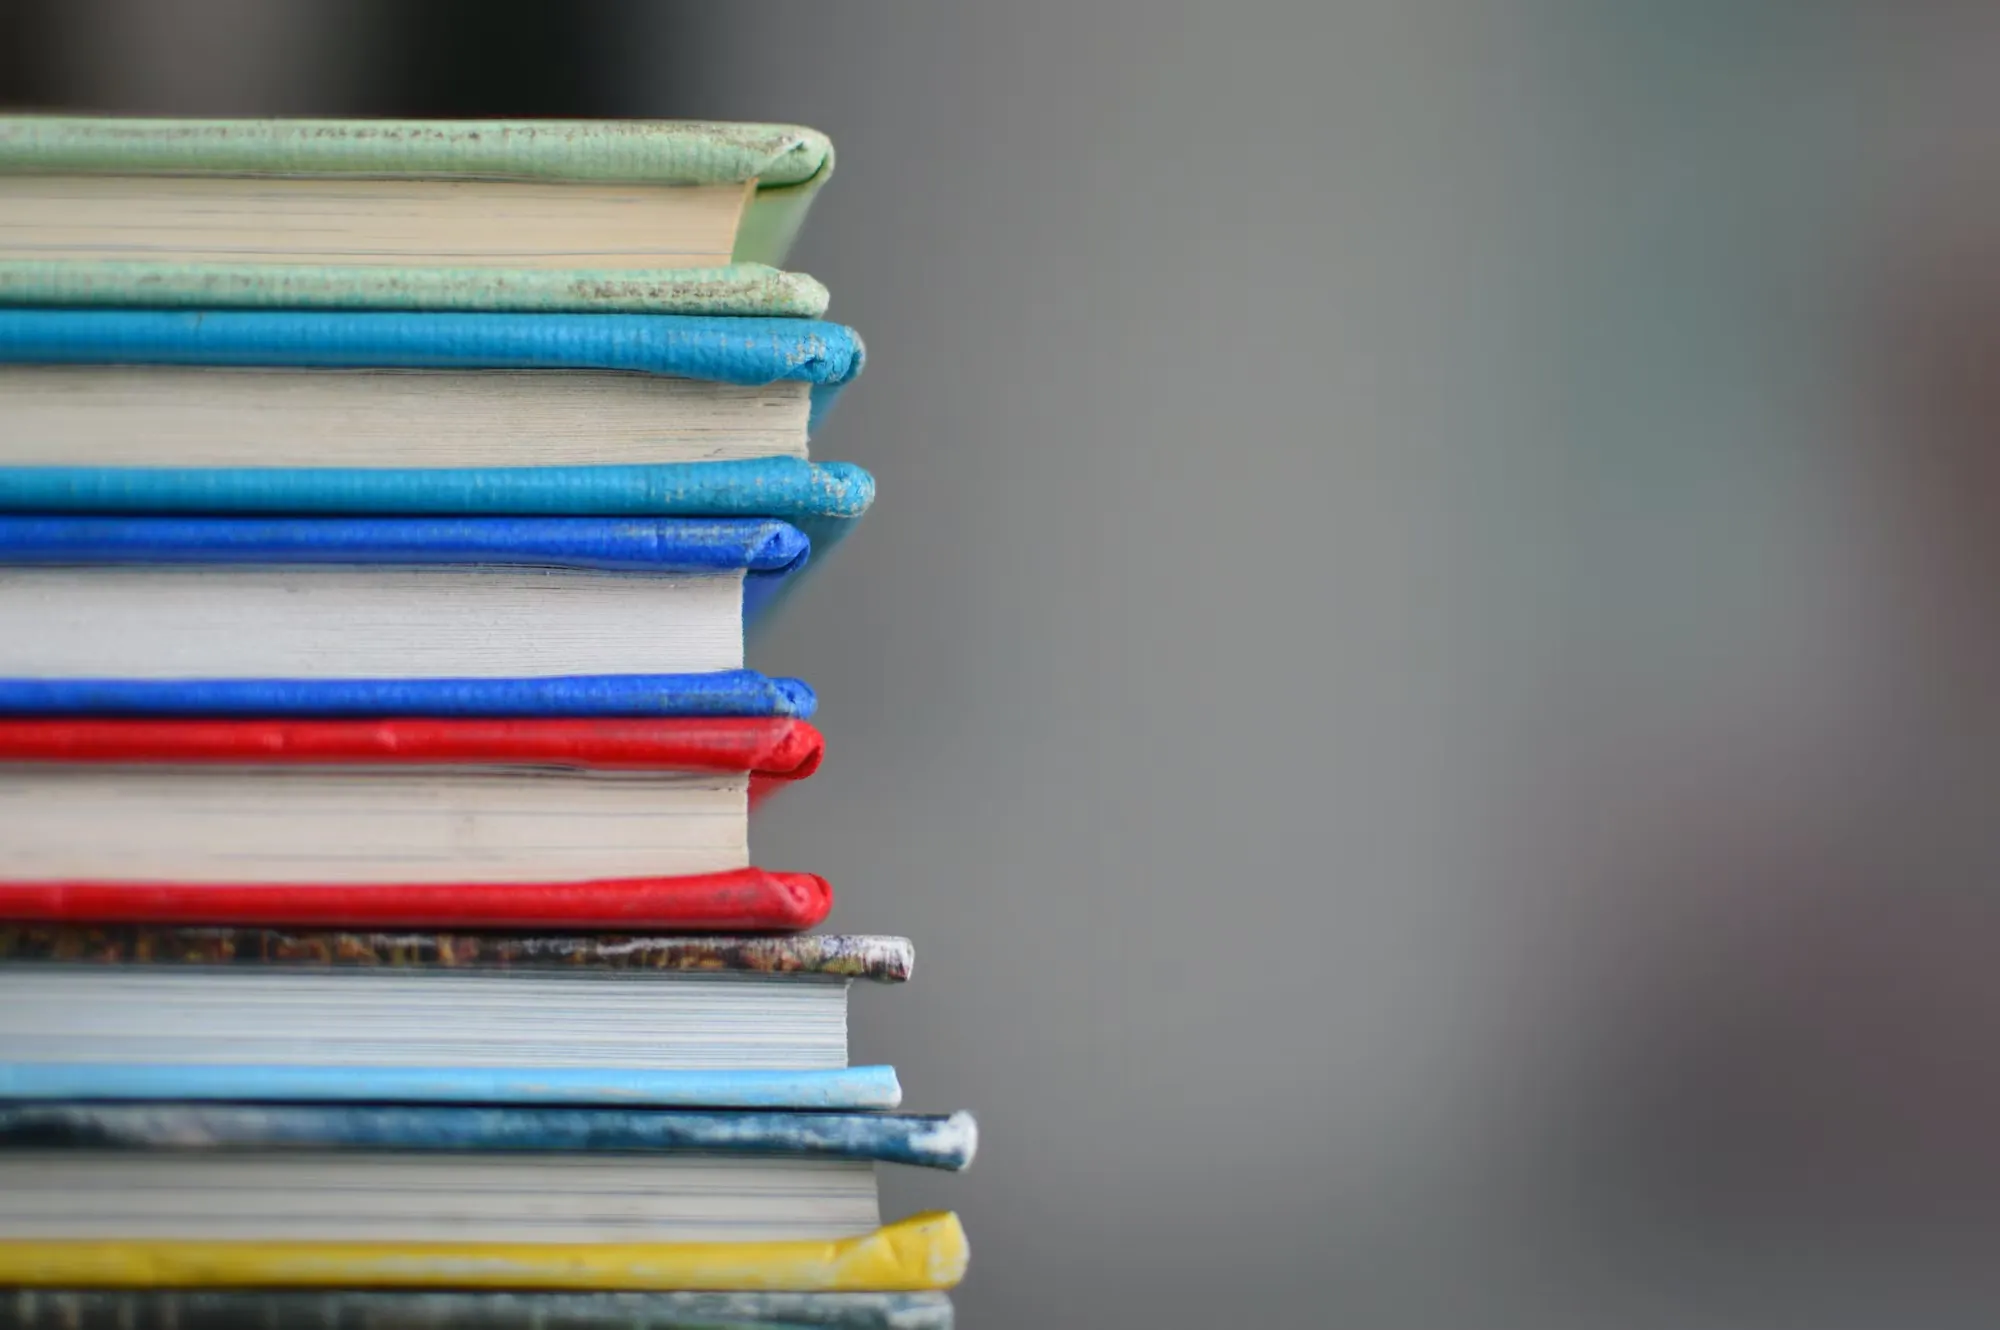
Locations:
(826, 356)
(431, 1309)
(723, 693)
(854, 1088)
(946, 1141)
(824, 499)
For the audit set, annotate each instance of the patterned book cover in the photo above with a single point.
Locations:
(946, 1141)
(366, 1309)
(857, 956)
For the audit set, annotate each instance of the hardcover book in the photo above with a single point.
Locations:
(280, 389)
(388, 214)
(230, 1173)
(364, 598)
(271, 1016)
(409, 823)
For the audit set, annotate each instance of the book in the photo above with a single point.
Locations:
(436, 822)
(269, 390)
(127, 1172)
(382, 598)
(485, 214)
(376, 1309)
(926, 1251)
(139, 1013)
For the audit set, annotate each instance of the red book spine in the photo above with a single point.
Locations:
(746, 900)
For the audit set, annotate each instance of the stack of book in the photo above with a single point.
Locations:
(381, 508)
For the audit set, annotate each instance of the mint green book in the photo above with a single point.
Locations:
(682, 217)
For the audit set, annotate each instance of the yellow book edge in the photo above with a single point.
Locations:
(926, 1251)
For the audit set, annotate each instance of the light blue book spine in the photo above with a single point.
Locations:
(843, 1088)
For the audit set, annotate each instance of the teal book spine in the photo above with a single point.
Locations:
(823, 499)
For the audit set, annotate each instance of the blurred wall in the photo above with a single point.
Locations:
(1365, 681)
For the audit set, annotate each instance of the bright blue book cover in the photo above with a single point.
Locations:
(926, 1140)
(847, 1088)
(723, 693)
(826, 356)
(822, 499)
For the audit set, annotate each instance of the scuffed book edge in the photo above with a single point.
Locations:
(859, 956)
(664, 152)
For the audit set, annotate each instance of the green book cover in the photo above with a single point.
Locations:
(787, 163)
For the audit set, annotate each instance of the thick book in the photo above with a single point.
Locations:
(134, 1013)
(379, 1309)
(208, 598)
(926, 1251)
(266, 390)
(130, 1172)
(399, 214)
(532, 823)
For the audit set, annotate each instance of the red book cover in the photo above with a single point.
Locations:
(748, 900)
(772, 751)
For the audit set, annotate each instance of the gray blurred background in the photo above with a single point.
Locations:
(1421, 673)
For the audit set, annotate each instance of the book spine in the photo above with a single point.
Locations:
(749, 900)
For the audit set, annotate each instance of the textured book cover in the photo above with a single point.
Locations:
(925, 1140)
(825, 356)
(378, 1309)
(788, 163)
(923, 1252)
(756, 547)
(722, 693)
(823, 499)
